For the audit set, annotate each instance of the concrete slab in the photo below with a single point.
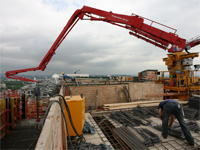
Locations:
(95, 141)
(153, 148)
(24, 136)
(89, 136)
(161, 148)
(155, 121)
(195, 134)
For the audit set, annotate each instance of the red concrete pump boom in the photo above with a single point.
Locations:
(134, 23)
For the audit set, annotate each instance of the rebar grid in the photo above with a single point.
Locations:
(129, 138)
(107, 128)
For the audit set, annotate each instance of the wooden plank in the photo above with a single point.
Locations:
(51, 134)
(156, 104)
(132, 103)
(123, 107)
(164, 94)
(153, 104)
(195, 95)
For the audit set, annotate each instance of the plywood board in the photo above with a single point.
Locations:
(51, 134)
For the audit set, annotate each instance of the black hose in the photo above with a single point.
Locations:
(186, 49)
(47, 111)
(69, 114)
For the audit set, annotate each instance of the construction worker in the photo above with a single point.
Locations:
(64, 76)
(72, 78)
(170, 109)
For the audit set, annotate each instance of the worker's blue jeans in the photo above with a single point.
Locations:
(172, 108)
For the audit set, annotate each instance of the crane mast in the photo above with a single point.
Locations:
(136, 24)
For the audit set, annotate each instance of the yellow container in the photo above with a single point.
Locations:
(77, 109)
(2, 104)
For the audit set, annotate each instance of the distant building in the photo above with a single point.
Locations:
(56, 78)
(147, 75)
(77, 75)
(2, 85)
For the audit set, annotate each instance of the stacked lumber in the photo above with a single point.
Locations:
(153, 103)
(164, 94)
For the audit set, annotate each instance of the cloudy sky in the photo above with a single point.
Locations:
(28, 28)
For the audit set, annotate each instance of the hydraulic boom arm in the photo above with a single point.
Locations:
(134, 23)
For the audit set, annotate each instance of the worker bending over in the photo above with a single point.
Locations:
(172, 108)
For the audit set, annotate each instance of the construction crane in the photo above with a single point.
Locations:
(165, 40)
(76, 71)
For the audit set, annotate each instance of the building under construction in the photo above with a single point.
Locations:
(108, 112)
(123, 115)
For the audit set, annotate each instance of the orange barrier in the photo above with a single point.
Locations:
(32, 108)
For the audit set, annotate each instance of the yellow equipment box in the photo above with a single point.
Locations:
(77, 109)
(2, 105)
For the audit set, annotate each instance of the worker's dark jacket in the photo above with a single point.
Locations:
(170, 107)
(166, 101)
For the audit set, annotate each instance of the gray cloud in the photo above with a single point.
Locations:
(29, 28)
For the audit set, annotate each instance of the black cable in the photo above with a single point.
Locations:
(69, 114)
(187, 50)
(190, 94)
(47, 111)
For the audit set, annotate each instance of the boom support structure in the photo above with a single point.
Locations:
(136, 24)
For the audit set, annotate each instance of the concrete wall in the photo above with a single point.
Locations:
(107, 93)
(140, 90)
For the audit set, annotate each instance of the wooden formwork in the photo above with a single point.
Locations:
(4, 118)
(53, 134)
